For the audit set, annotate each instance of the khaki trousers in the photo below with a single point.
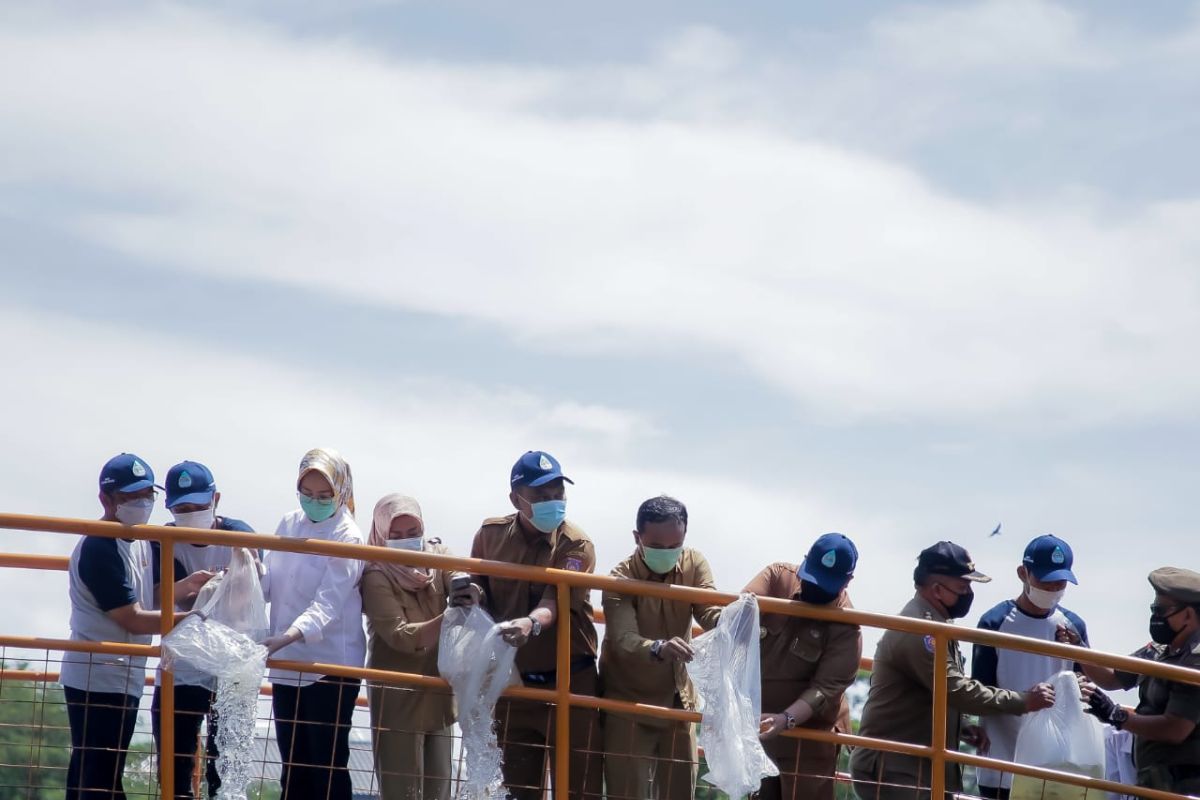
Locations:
(806, 770)
(647, 762)
(413, 765)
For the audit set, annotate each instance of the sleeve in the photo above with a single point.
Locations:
(620, 623)
(760, 584)
(338, 580)
(228, 524)
(969, 696)
(103, 573)
(386, 613)
(706, 616)
(985, 659)
(156, 564)
(836, 670)
(479, 551)
(1184, 700)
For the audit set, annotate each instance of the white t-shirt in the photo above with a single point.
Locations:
(103, 575)
(1013, 669)
(318, 595)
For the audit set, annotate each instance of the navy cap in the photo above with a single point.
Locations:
(1048, 558)
(125, 473)
(830, 562)
(948, 558)
(190, 482)
(536, 468)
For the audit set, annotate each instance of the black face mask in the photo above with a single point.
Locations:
(1160, 627)
(811, 593)
(962, 606)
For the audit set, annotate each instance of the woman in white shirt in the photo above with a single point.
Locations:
(316, 615)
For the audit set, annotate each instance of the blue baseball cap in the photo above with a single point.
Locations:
(190, 482)
(1048, 558)
(536, 468)
(125, 473)
(830, 562)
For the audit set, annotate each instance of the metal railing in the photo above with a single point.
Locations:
(561, 696)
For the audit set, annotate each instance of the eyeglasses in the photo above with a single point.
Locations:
(1165, 611)
(320, 498)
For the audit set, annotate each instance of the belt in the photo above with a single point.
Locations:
(577, 665)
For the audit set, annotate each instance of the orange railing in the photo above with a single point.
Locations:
(561, 696)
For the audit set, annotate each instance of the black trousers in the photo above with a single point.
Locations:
(192, 705)
(101, 728)
(312, 727)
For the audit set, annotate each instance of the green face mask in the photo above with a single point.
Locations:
(316, 510)
(661, 560)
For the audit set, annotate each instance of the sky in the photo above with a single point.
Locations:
(905, 271)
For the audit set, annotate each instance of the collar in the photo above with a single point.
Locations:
(532, 536)
(927, 610)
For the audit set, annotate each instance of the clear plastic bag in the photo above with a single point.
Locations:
(478, 664)
(209, 642)
(725, 672)
(1061, 737)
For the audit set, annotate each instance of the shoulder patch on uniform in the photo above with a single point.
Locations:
(929, 643)
(574, 564)
(495, 521)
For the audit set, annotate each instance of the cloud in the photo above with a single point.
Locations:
(847, 281)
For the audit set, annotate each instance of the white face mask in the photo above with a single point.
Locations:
(1047, 601)
(415, 543)
(204, 518)
(135, 512)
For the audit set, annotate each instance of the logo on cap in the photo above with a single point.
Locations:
(544, 463)
(829, 559)
(138, 470)
(185, 480)
(1058, 556)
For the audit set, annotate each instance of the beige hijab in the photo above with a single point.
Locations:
(387, 509)
(329, 462)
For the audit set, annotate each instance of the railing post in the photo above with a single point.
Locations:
(562, 712)
(937, 777)
(166, 710)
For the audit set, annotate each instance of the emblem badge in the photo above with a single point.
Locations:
(138, 470)
(185, 480)
(544, 463)
(1058, 556)
(829, 559)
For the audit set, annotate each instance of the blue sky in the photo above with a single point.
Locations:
(899, 270)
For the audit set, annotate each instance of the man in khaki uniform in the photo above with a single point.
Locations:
(1166, 724)
(645, 649)
(538, 534)
(901, 693)
(807, 665)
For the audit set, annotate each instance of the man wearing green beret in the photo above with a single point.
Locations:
(1165, 724)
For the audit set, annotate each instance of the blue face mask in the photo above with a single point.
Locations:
(547, 515)
(316, 510)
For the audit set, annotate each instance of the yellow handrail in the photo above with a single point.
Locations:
(564, 580)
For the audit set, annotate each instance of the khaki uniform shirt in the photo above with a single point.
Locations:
(901, 696)
(633, 623)
(807, 659)
(392, 615)
(569, 548)
(1160, 696)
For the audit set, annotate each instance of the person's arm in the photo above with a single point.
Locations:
(1173, 726)
(339, 577)
(706, 616)
(388, 620)
(964, 695)
(581, 557)
(620, 622)
(836, 670)
(1114, 679)
(481, 580)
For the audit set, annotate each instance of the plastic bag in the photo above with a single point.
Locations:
(208, 641)
(235, 597)
(1061, 737)
(478, 665)
(725, 671)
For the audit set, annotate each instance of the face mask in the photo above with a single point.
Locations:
(204, 518)
(316, 510)
(811, 593)
(1048, 601)
(962, 606)
(547, 515)
(661, 560)
(135, 512)
(1160, 627)
(413, 543)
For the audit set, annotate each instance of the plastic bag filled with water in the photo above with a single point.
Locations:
(725, 671)
(1061, 737)
(478, 665)
(208, 641)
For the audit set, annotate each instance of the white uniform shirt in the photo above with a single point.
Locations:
(318, 595)
(105, 574)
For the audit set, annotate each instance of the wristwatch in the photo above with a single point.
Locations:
(656, 649)
(537, 627)
(1118, 718)
(789, 720)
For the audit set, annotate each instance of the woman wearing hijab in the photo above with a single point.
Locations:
(410, 728)
(316, 615)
